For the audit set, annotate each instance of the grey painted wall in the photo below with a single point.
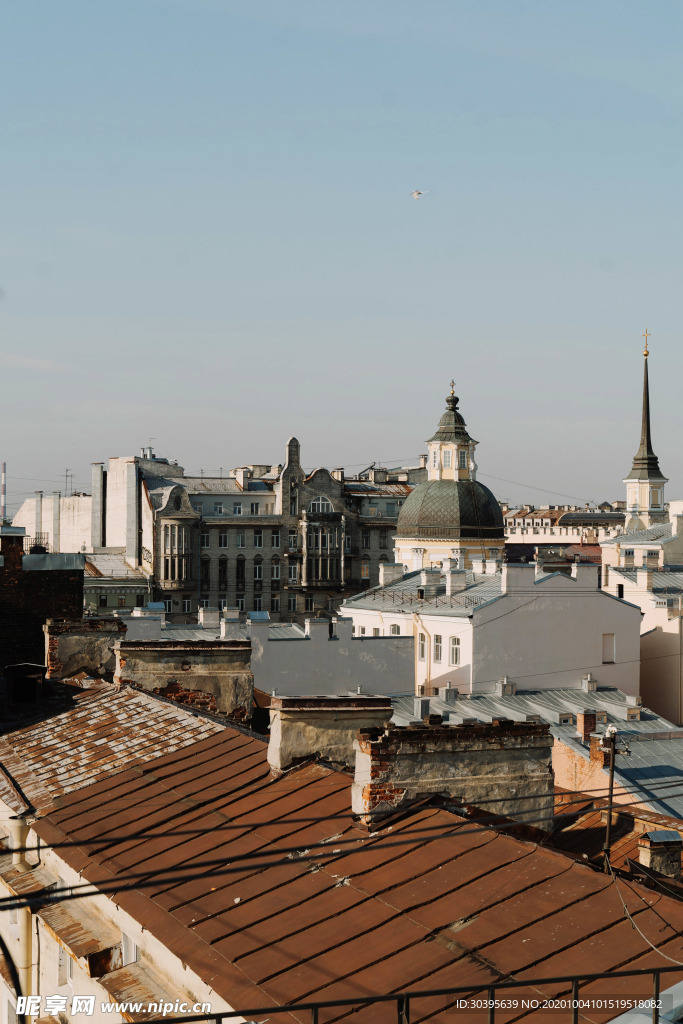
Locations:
(318, 665)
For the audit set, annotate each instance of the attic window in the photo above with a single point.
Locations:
(601, 717)
(566, 720)
(628, 552)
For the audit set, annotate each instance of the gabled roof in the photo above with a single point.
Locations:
(268, 890)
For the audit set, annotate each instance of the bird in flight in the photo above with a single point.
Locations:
(416, 194)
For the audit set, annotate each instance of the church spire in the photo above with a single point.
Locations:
(645, 482)
(645, 462)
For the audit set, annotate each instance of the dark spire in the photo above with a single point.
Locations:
(645, 462)
(451, 425)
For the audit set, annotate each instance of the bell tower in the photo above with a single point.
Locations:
(645, 482)
(450, 452)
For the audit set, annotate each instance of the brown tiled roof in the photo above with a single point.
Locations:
(268, 890)
(105, 731)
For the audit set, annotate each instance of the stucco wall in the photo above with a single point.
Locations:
(318, 665)
(81, 645)
(219, 671)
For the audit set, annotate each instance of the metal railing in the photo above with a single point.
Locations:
(482, 1001)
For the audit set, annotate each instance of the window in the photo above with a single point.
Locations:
(222, 602)
(218, 508)
(447, 458)
(608, 649)
(365, 569)
(275, 569)
(365, 538)
(122, 602)
(205, 574)
(437, 647)
(103, 600)
(462, 459)
(347, 543)
(239, 569)
(187, 606)
(198, 506)
(421, 646)
(435, 457)
(257, 603)
(241, 539)
(292, 540)
(294, 505)
(321, 504)
(395, 630)
(620, 590)
(454, 651)
(129, 950)
(275, 602)
(258, 538)
(222, 571)
(628, 552)
(291, 604)
(362, 630)
(254, 508)
(653, 554)
(237, 508)
(258, 571)
(309, 604)
(275, 539)
(239, 602)
(293, 573)
(382, 538)
(375, 630)
(223, 539)
(139, 600)
(206, 540)
(168, 607)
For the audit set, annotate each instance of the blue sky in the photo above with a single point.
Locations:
(207, 236)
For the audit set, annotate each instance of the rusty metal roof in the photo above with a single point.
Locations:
(268, 890)
(103, 732)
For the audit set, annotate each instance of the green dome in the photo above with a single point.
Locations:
(451, 509)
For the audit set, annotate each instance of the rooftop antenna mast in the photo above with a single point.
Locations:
(3, 494)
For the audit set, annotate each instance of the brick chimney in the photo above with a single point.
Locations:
(503, 768)
(586, 723)
(661, 852)
(303, 727)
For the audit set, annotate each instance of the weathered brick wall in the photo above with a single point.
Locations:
(81, 645)
(585, 773)
(214, 675)
(502, 768)
(28, 599)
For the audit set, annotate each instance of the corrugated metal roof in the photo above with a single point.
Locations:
(659, 534)
(268, 890)
(402, 595)
(112, 566)
(103, 733)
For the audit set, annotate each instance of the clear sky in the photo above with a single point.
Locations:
(207, 236)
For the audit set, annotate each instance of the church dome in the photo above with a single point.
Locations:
(450, 509)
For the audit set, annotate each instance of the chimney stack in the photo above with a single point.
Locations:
(503, 767)
(586, 723)
(661, 852)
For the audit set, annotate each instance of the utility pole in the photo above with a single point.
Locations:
(609, 743)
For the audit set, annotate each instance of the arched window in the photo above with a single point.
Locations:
(321, 504)
(395, 630)
(222, 571)
(239, 569)
(454, 651)
(275, 568)
(365, 569)
(205, 573)
(258, 569)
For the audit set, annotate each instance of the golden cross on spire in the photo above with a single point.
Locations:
(646, 336)
(452, 387)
